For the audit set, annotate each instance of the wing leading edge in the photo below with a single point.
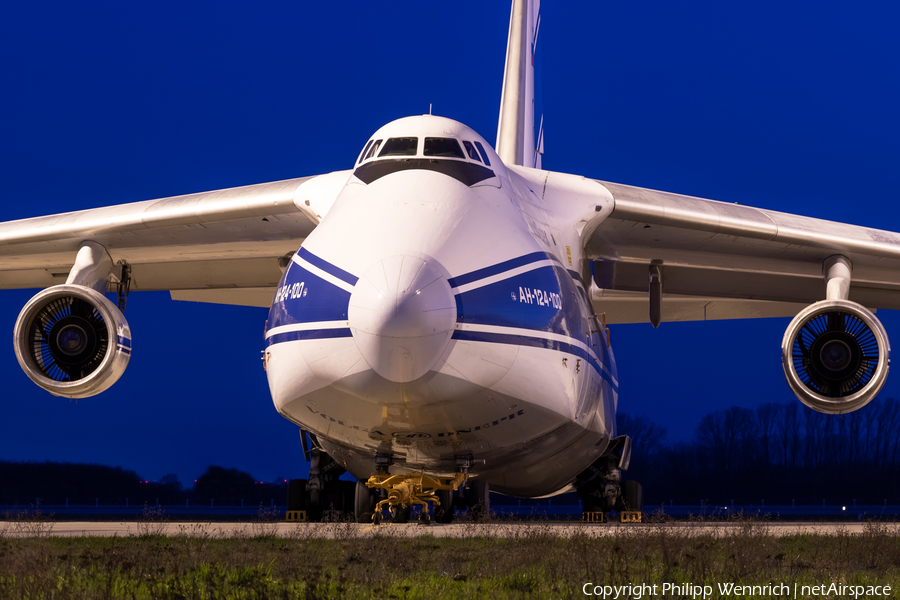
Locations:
(221, 246)
(732, 261)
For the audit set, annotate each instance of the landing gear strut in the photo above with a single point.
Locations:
(602, 489)
(323, 495)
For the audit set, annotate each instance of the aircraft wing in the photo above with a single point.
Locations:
(221, 246)
(724, 261)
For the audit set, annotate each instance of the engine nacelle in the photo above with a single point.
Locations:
(836, 356)
(72, 341)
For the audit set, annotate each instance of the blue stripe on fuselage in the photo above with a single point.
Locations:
(508, 265)
(543, 299)
(536, 342)
(327, 266)
(305, 298)
(309, 334)
(499, 268)
(513, 302)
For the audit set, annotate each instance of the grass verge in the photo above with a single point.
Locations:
(530, 562)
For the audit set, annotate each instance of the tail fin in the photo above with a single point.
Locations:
(520, 131)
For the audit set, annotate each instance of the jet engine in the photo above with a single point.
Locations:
(72, 341)
(836, 356)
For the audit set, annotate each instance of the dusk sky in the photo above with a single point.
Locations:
(786, 106)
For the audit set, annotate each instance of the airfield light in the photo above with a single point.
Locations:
(843, 508)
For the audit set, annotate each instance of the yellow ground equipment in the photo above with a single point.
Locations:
(296, 516)
(630, 516)
(593, 517)
(411, 489)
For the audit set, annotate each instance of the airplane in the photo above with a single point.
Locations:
(753, 273)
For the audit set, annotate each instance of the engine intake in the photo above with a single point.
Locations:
(72, 341)
(836, 356)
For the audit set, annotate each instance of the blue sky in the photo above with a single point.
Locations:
(788, 106)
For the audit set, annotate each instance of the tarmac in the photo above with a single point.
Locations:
(457, 530)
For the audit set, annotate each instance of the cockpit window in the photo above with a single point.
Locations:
(363, 153)
(470, 149)
(400, 146)
(484, 155)
(372, 150)
(447, 147)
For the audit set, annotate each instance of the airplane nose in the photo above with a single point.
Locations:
(402, 315)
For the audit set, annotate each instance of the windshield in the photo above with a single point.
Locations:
(484, 155)
(471, 150)
(400, 146)
(372, 150)
(448, 147)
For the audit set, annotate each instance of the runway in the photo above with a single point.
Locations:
(457, 530)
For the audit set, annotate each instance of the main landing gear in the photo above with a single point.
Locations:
(602, 489)
(324, 495)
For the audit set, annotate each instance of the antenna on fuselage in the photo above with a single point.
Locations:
(429, 109)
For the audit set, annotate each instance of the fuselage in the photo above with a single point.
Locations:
(435, 312)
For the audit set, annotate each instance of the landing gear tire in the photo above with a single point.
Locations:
(298, 498)
(633, 496)
(592, 504)
(400, 514)
(326, 495)
(338, 500)
(480, 501)
(364, 505)
(444, 512)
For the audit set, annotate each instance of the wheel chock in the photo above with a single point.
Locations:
(296, 516)
(630, 516)
(593, 517)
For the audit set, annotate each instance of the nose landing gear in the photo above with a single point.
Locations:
(405, 491)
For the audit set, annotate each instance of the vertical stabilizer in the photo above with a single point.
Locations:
(520, 137)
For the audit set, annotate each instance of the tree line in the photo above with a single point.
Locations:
(777, 452)
(55, 482)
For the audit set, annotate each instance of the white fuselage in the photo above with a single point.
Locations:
(431, 317)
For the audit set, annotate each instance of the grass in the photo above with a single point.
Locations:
(530, 562)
